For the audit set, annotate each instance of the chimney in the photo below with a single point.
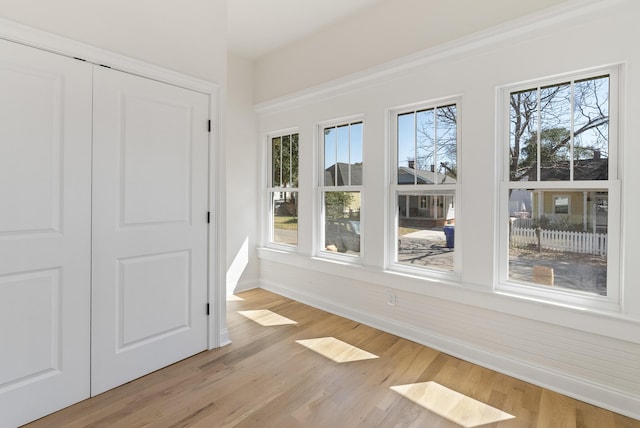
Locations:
(412, 164)
(596, 155)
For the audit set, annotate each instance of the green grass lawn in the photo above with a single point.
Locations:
(285, 222)
(291, 223)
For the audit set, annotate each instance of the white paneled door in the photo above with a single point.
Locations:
(45, 232)
(150, 174)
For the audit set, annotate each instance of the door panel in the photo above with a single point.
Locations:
(150, 177)
(45, 218)
(156, 291)
(158, 191)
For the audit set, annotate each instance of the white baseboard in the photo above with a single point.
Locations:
(578, 388)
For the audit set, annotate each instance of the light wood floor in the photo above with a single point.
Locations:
(267, 379)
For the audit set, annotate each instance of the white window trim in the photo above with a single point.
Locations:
(267, 209)
(319, 214)
(612, 302)
(391, 265)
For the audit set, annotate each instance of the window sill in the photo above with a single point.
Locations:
(562, 298)
(614, 324)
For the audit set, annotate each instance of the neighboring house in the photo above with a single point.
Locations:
(338, 175)
(568, 208)
(424, 210)
(406, 174)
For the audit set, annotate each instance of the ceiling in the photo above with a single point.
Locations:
(257, 27)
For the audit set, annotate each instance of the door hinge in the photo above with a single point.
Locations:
(209, 126)
(208, 309)
(208, 216)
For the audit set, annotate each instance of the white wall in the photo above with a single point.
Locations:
(389, 30)
(242, 177)
(188, 36)
(592, 356)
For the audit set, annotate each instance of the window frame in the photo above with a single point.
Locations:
(322, 189)
(612, 302)
(434, 190)
(270, 190)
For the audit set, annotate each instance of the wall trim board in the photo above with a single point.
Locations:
(579, 388)
(246, 285)
(520, 27)
(39, 39)
(612, 325)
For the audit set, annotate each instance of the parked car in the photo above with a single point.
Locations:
(343, 234)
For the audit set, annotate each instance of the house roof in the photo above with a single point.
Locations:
(342, 171)
(406, 174)
(583, 169)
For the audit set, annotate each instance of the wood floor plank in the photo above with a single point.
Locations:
(266, 379)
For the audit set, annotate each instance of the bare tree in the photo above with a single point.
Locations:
(553, 125)
(436, 145)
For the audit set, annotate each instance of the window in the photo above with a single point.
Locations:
(560, 174)
(561, 204)
(424, 187)
(283, 189)
(341, 188)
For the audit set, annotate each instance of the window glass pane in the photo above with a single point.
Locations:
(285, 218)
(559, 240)
(446, 145)
(342, 142)
(426, 230)
(286, 161)
(523, 129)
(591, 129)
(276, 161)
(561, 205)
(294, 160)
(342, 222)
(406, 148)
(356, 154)
(425, 149)
(555, 132)
(330, 161)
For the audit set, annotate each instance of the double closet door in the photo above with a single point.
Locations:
(103, 229)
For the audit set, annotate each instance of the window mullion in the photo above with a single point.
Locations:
(538, 136)
(349, 155)
(290, 180)
(335, 150)
(572, 129)
(415, 147)
(435, 146)
(280, 163)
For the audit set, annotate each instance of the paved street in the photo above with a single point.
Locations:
(572, 271)
(425, 248)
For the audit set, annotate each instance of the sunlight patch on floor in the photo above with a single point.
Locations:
(266, 317)
(234, 298)
(336, 350)
(452, 405)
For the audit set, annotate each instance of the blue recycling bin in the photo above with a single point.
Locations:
(449, 233)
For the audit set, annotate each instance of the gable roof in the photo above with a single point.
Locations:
(406, 174)
(338, 174)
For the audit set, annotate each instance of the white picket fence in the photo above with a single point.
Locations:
(561, 240)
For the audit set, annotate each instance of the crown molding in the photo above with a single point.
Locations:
(40, 39)
(565, 12)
